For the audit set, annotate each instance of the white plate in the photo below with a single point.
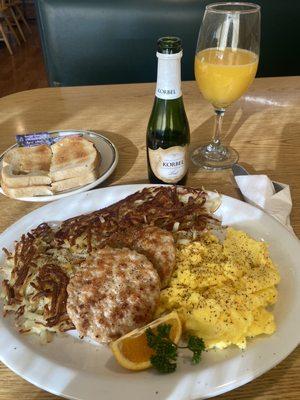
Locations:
(77, 369)
(109, 161)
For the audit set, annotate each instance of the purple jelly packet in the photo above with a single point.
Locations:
(48, 138)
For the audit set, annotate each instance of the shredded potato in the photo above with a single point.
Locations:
(36, 274)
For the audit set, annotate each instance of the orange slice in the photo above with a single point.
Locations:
(132, 351)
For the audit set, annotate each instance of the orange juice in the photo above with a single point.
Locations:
(224, 75)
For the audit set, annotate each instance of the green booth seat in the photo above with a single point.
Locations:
(87, 42)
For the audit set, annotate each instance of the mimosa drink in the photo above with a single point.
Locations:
(224, 75)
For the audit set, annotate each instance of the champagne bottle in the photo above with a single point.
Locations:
(168, 134)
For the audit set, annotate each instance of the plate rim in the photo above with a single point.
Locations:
(102, 178)
(247, 377)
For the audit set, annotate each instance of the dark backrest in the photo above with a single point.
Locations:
(114, 41)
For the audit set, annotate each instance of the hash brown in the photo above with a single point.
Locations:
(69, 244)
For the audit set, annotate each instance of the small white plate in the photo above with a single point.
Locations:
(78, 369)
(109, 160)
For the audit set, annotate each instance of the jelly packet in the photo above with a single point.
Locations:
(48, 138)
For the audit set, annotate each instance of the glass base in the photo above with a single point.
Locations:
(215, 157)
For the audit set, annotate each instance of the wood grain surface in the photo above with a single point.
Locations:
(264, 126)
(26, 69)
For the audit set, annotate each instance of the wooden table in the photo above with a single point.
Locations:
(264, 126)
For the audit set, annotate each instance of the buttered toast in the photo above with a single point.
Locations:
(72, 157)
(46, 170)
(28, 159)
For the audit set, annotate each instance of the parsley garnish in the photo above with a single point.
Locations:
(196, 345)
(165, 356)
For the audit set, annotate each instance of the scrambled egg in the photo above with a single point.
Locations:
(221, 289)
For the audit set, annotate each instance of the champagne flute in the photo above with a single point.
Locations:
(225, 66)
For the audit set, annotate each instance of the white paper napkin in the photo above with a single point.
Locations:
(259, 191)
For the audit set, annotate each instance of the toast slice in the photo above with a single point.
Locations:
(72, 183)
(28, 159)
(16, 180)
(71, 157)
(28, 191)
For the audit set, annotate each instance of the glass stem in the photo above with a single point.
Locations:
(216, 141)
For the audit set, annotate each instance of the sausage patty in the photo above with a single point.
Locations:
(155, 243)
(114, 292)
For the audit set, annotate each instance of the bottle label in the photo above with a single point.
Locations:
(168, 84)
(169, 165)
